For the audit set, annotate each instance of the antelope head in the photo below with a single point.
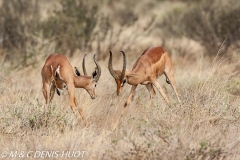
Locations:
(90, 82)
(118, 75)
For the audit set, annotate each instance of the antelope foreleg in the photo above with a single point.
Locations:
(80, 111)
(171, 80)
(52, 92)
(130, 95)
(126, 104)
(73, 102)
(152, 93)
(46, 92)
(160, 89)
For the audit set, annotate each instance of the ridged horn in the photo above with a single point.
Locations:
(83, 65)
(98, 68)
(124, 66)
(110, 67)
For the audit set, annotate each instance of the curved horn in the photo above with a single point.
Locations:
(110, 67)
(83, 65)
(124, 66)
(98, 68)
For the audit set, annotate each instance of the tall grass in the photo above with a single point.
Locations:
(206, 126)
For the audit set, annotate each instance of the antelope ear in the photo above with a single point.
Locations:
(57, 91)
(123, 82)
(77, 71)
(129, 73)
(94, 74)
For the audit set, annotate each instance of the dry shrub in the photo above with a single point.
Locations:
(183, 50)
(208, 22)
(72, 26)
(19, 18)
(123, 12)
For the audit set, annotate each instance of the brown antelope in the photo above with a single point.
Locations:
(153, 62)
(57, 73)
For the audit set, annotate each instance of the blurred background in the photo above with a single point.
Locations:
(30, 30)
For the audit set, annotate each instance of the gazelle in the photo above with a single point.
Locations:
(57, 73)
(153, 62)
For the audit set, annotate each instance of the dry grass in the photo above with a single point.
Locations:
(205, 127)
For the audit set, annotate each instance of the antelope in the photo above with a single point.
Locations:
(152, 63)
(57, 73)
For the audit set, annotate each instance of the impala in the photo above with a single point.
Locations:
(57, 73)
(153, 62)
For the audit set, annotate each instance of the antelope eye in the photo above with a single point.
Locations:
(95, 85)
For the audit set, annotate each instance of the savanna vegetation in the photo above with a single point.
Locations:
(202, 38)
